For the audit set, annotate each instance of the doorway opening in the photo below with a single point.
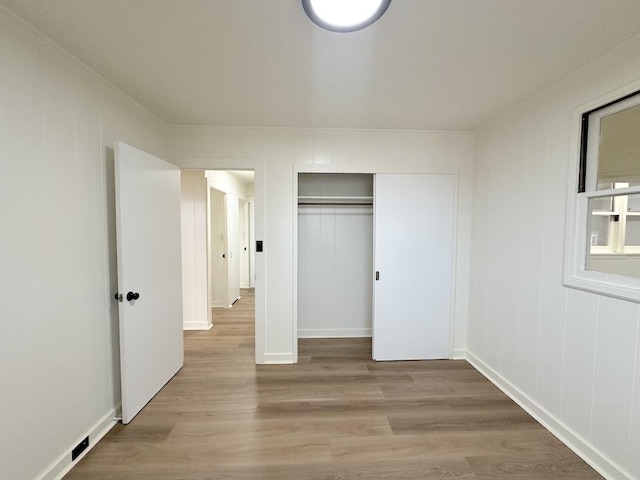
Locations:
(218, 242)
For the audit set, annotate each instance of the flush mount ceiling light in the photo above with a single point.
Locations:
(344, 15)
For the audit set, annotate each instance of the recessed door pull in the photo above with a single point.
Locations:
(377, 276)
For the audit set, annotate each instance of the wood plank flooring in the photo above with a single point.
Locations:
(335, 416)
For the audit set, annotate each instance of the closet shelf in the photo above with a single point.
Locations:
(334, 200)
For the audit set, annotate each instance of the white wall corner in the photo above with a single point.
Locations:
(580, 446)
(64, 464)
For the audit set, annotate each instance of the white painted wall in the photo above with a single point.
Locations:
(572, 357)
(195, 301)
(59, 330)
(283, 150)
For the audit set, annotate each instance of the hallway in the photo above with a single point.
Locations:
(335, 415)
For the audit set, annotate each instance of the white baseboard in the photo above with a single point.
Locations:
(221, 305)
(459, 354)
(196, 326)
(278, 358)
(61, 467)
(333, 332)
(600, 462)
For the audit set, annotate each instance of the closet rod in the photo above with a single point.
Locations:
(334, 200)
(335, 204)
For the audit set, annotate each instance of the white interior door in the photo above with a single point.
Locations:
(233, 256)
(413, 251)
(218, 249)
(252, 244)
(149, 264)
(243, 243)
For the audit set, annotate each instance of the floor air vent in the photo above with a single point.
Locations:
(81, 447)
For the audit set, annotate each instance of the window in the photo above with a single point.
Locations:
(605, 253)
(614, 223)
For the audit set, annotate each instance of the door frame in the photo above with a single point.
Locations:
(259, 168)
(316, 168)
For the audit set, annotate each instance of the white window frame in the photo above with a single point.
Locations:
(577, 239)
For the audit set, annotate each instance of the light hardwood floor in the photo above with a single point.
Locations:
(335, 416)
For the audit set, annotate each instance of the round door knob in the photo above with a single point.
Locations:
(132, 296)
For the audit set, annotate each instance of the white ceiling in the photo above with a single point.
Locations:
(427, 64)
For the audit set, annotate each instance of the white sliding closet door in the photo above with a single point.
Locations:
(413, 251)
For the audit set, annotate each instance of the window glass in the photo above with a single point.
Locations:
(599, 230)
(633, 204)
(618, 230)
(619, 148)
(602, 204)
(633, 231)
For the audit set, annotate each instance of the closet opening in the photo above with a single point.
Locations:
(335, 264)
(375, 266)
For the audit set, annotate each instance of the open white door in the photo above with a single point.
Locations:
(149, 265)
(413, 247)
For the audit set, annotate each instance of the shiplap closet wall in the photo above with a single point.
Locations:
(335, 254)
